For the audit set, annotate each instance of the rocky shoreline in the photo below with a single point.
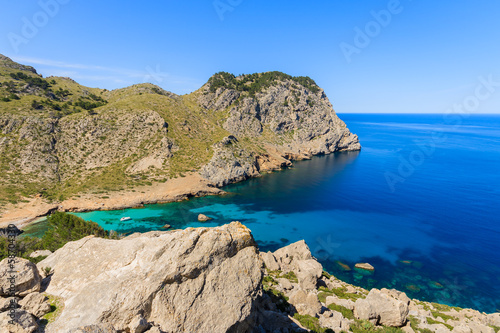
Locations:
(208, 280)
(173, 190)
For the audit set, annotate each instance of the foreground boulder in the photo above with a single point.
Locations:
(26, 277)
(23, 322)
(381, 308)
(192, 280)
(36, 304)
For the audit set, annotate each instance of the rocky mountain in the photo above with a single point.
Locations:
(207, 280)
(59, 139)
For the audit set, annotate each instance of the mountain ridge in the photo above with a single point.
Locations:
(59, 139)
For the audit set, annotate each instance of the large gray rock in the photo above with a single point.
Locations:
(270, 261)
(24, 275)
(8, 303)
(306, 303)
(381, 308)
(309, 271)
(192, 280)
(35, 303)
(288, 256)
(24, 322)
(493, 319)
(100, 328)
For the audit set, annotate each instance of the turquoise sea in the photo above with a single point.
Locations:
(420, 202)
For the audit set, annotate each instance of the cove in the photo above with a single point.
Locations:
(433, 234)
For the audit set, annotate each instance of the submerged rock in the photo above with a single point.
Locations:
(365, 266)
(203, 218)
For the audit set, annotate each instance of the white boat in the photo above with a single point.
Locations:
(126, 218)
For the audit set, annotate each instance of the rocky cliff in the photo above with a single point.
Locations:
(207, 280)
(59, 139)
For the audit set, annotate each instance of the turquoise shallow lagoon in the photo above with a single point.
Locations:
(424, 211)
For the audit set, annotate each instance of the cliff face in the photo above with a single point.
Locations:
(288, 120)
(59, 139)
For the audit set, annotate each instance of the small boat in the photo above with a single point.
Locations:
(128, 218)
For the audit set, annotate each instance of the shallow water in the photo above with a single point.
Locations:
(420, 202)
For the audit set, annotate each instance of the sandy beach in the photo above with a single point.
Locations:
(192, 185)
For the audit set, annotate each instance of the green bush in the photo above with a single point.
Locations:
(63, 228)
(258, 82)
(311, 323)
(342, 309)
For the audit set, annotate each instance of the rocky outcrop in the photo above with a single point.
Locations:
(203, 218)
(193, 280)
(23, 322)
(36, 304)
(90, 140)
(382, 309)
(300, 122)
(213, 280)
(21, 275)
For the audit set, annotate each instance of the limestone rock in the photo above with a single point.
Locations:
(462, 328)
(100, 328)
(138, 325)
(309, 271)
(493, 319)
(366, 310)
(40, 253)
(306, 303)
(35, 303)
(203, 218)
(307, 126)
(380, 308)
(192, 280)
(480, 328)
(285, 283)
(365, 266)
(269, 261)
(334, 321)
(7, 303)
(27, 279)
(288, 256)
(24, 322)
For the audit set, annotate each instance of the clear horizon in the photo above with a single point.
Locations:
(378, 57)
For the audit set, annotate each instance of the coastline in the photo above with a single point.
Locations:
(173, 190)
(177, 189)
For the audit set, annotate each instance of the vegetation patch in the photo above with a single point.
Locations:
(347, 313)
(435, 322)
(63, 228)
(340, 292)
(311, 323)
(414, 324)
(258, 82)
(362, 326)
(290, 276)
(495, 328)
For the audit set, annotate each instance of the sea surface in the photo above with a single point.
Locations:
(420, 202)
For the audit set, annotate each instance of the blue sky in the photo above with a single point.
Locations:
(419, 56)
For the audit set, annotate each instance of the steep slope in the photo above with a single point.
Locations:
(59, 139)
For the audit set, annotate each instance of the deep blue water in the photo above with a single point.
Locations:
(420, 202)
